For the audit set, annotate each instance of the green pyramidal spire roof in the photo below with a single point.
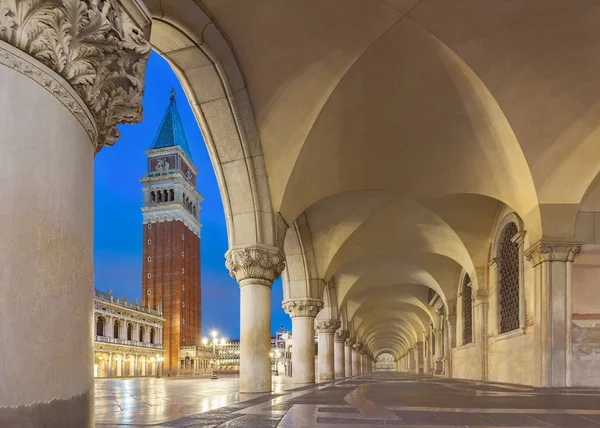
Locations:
(171, 131)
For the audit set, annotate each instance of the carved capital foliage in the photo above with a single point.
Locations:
(327, 326)
(357, 346)
(553, 251)
(94, 45)
(341, 335)
(307, 307)
(350, 342)
(255, 263)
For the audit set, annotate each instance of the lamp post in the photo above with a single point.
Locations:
(159, 360)
(215, 344)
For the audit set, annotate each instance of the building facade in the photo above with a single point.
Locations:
(171, 245)
(127, 338)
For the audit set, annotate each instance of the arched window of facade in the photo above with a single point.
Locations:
(116, 329)
(508, 280)
(141, 333)
(171, 195)
(467, 310)
(159, 195)
(100, 326)
(129, 331)
(152, 335)
(166, 195)
(152, 197)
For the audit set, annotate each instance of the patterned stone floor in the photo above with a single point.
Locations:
(389, 399)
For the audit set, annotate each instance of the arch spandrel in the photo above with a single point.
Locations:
(204, 63)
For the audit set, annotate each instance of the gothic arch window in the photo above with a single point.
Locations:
(467, 310)
(116, 329)
(100, 322)
(166, 195)
(152, 197)
(171, 195)
(129, 331)
(141, 333)
(159, 196)
(152, 334)
(508, 279)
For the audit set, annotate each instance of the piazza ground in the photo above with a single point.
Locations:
(382, 398)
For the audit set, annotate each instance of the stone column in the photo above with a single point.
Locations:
(355, 359)
(361, 362)
(480, 313)
(303, 312)
(419, 360)
(339, 353)
(439, 344)
(348, 356)
(255, 268)
(448, 344)
(325, 330)
(552, 262)
(59, 105)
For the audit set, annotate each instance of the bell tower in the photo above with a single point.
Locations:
(171, 221)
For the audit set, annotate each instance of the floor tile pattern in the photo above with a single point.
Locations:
(378, 399)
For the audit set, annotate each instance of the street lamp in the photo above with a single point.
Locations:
(215, 344)
(159, 360)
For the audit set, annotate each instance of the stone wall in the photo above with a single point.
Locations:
(512, 359)
(585, 350)
(464, 362)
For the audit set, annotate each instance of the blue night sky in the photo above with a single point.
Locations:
(118, 218)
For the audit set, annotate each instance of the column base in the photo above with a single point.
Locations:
(71, 412)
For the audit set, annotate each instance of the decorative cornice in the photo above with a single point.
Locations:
(551, 251)
(171, 212)
(341, 335)
(264, 263)
(94, 45)
(327, 326)
(306, 307)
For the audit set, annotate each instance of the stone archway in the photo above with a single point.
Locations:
(76, 110)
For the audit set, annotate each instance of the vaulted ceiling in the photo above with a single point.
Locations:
(402, 129)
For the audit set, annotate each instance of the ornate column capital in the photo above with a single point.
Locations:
(327, 326)
(255, 262)
(551, 251)
(341, 335)
(94, 45)
(357, 346)
(350, 341)
(305, 307)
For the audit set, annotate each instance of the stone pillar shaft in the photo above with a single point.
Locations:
(326, 330)
(348, 357)
(339, 353)
(255, 336)
(552, 262)
(52, 123)
(255, 269)
(303, 312)
(355, 362)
